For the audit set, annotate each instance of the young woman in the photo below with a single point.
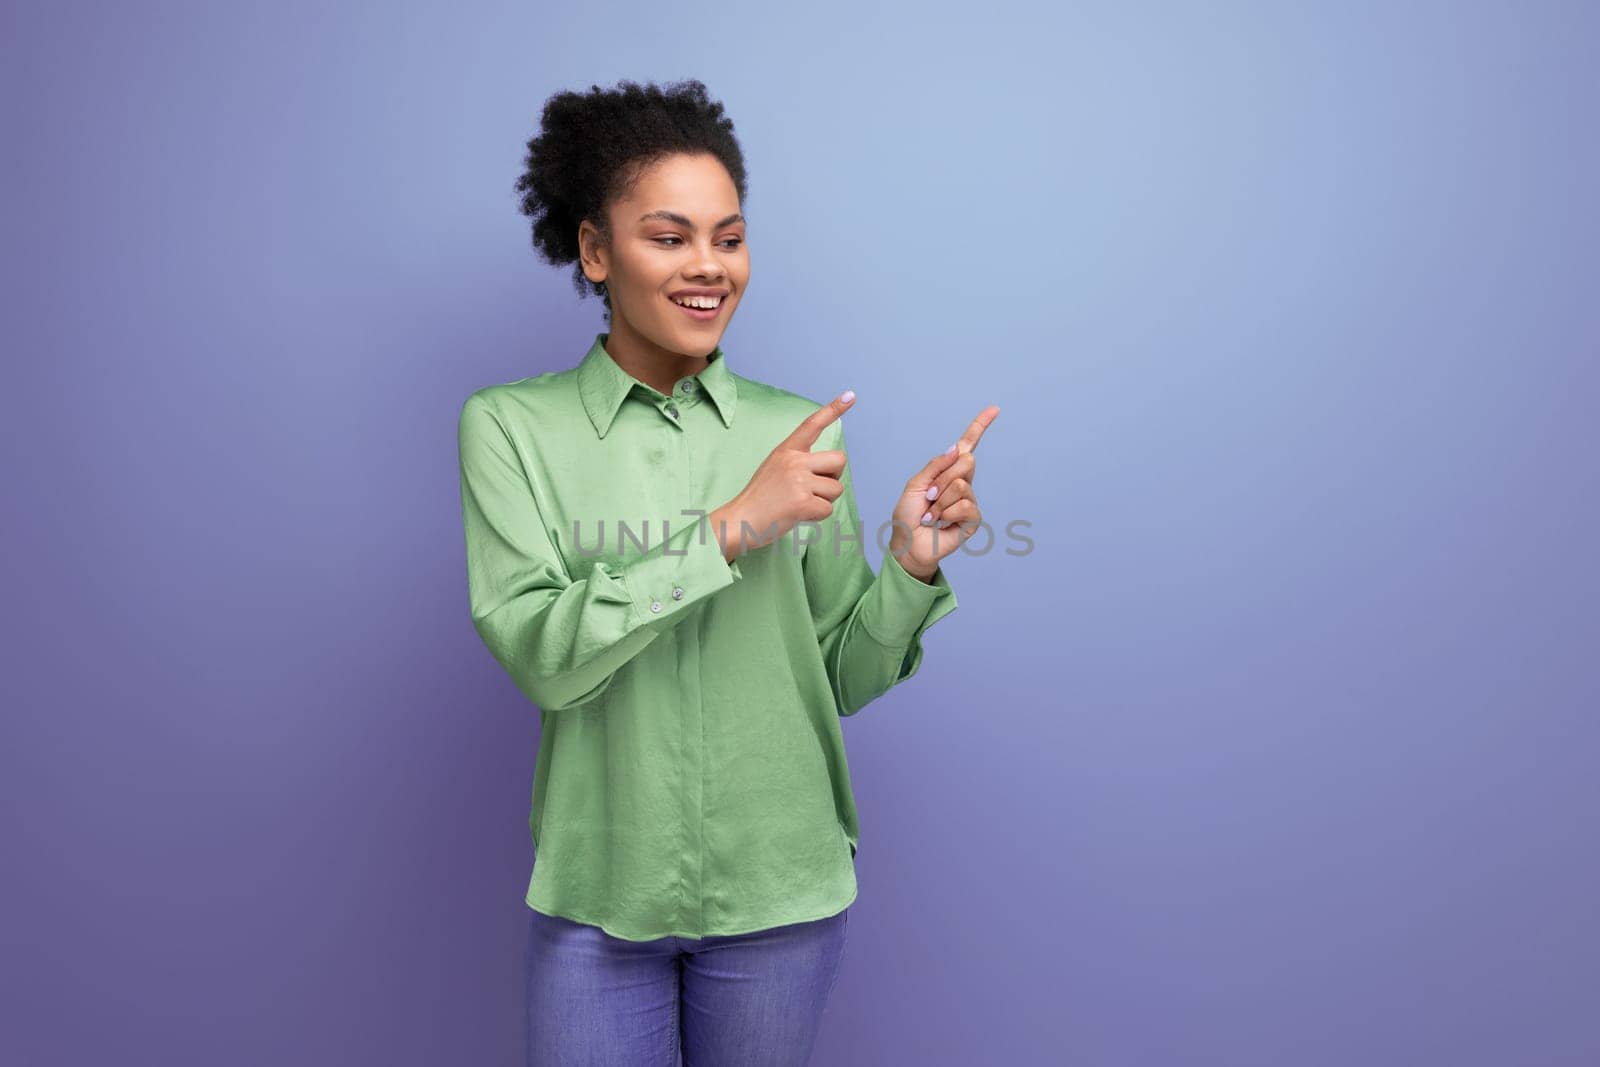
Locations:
(667, 564)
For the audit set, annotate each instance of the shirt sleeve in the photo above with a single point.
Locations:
(869, 627)
(562, 641)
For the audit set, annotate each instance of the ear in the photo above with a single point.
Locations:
(591, 252)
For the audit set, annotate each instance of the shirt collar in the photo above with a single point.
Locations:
(604, 385)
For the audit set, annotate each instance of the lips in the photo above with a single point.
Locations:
(701, 294)
(701, 314)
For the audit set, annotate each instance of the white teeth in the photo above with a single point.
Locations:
(705, 303)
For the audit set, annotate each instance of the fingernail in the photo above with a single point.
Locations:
(950, 450)
(933, 492)
(927, 517)
(848, 395)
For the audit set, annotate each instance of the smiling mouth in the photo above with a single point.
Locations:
(699, 303)
(692, 307)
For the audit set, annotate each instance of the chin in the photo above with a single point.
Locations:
(696, 339)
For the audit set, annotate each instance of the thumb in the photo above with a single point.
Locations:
(935, 467)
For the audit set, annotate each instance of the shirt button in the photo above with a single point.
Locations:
(689, 386)
(655, 606)
(677, 593)
(672, 409)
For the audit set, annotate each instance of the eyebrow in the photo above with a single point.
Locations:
(674, 217)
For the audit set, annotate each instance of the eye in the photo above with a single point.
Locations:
(672, 241)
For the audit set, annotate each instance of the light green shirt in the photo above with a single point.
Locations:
(691, 778)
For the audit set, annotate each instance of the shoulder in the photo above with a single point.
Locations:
(521, 402)
(784, 407)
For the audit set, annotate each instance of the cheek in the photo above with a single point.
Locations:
(641, 274)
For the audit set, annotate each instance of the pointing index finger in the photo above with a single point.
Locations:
(974, 431)
(805, 435)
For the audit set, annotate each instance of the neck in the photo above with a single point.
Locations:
(644, 360)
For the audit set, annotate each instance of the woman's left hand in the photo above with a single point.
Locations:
(952, 509)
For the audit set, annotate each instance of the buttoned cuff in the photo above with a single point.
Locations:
(680, 572)
(899, 608)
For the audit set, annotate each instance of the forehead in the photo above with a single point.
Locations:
(698, 186)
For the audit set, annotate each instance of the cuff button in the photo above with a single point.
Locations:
(655, 605)
(677, 593)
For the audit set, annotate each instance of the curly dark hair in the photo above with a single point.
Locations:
(593, 146)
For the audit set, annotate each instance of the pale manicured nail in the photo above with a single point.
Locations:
(933, 492)
(848, 395)
(927, 517)
(950, 451)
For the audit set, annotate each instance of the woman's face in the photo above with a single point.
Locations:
(676, 237)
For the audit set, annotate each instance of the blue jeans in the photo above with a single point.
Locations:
(751, 999)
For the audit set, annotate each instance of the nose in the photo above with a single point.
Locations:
(706, 264)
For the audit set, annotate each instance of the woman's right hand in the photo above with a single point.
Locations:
(792, 485)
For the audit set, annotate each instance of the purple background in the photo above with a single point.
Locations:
(1279, 748)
